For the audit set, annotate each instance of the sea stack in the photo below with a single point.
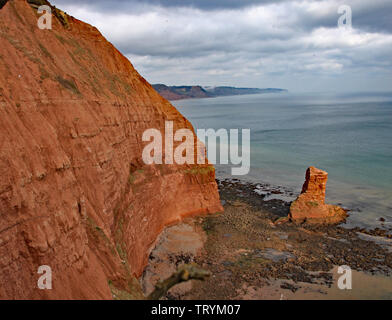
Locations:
(310, 205)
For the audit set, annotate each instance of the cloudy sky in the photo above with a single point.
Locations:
(295, 45)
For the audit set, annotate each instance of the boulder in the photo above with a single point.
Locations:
(310, 205)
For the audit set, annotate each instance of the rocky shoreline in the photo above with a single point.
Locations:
(252, 257)
(277, 199)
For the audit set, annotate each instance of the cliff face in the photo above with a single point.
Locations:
(74, 193)
(196, 92)
(181, 92)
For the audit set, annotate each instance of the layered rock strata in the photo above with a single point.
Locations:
(310, 205)
(74, 192)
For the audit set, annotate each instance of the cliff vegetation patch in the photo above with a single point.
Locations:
(68, 84)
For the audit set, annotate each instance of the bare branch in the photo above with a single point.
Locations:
(185, 273)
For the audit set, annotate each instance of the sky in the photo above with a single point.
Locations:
(296, 45)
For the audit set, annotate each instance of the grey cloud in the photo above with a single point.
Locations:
(289, 44)
(200, 4)
(368, 15)
(371, 16)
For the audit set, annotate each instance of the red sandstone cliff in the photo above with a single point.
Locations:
(74, 193)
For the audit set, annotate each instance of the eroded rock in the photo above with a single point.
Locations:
(310, 205)
(74, 193)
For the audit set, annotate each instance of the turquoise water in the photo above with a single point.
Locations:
(349, 136)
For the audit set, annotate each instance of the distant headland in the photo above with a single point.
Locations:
(193, 92)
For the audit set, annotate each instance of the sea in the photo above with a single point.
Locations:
(347, 135)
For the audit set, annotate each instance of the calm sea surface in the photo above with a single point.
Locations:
(349, 136)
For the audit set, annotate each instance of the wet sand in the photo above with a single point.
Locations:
(250, 257)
